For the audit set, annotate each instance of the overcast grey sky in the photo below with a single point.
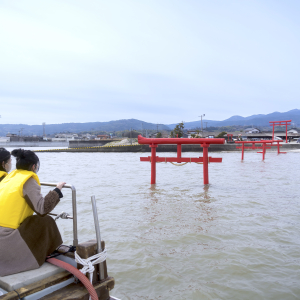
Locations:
(161, 61)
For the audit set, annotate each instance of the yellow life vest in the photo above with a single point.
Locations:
(2, 173)
(13, 207)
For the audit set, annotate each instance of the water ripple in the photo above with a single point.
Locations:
(237, 238)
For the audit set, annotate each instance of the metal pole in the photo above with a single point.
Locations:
(74, 207)
(98, 235)
(55, 215)
(201, 127)
(131, 136)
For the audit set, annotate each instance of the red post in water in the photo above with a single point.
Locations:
(263, 150)
(178, 150)
(153, 163)
(243, 148)
(205, 163)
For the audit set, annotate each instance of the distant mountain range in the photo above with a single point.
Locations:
(110, 126)
(120, 125)
(254, 120)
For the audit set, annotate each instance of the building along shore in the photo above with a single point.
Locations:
(168, 148)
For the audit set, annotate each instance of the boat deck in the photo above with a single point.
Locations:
(16, 281)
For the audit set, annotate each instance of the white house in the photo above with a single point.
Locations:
(4, 139)
(252, 130)
(293, 130)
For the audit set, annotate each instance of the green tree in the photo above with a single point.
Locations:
(159, 135)
(178, 130)
(221, 134)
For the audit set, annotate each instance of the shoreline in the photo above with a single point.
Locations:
(168, 148)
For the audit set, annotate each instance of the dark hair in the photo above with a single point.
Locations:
(4, 157)
(25, 159)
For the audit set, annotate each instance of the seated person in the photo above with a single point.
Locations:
(5, 163)
(26, 239)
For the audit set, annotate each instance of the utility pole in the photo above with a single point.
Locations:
(44, 131)
(20, 132)
(157, 127)
(206, 125)
(201, 124)
(131, 136)
(142, 129)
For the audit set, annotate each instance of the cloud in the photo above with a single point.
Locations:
(159, 61)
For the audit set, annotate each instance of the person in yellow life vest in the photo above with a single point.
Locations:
(5, 163)
(26, 239)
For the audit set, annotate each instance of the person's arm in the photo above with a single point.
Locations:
(39, 204)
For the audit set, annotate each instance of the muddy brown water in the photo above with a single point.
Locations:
(237, 238)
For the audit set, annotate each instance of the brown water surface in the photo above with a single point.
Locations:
(237, 238)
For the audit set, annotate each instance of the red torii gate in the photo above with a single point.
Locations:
(204, 142)
(230, 136)
(280, 123)
(264, 147)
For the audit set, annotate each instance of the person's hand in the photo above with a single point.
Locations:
(60, 185)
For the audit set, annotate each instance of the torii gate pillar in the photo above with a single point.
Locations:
(205, 163)
(153, 163)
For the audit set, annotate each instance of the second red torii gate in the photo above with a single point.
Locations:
(204, 142)
(265, 144)
(280, 123)
(230, 136)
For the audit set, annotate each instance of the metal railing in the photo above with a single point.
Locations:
(74, 208)
(98, 235)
